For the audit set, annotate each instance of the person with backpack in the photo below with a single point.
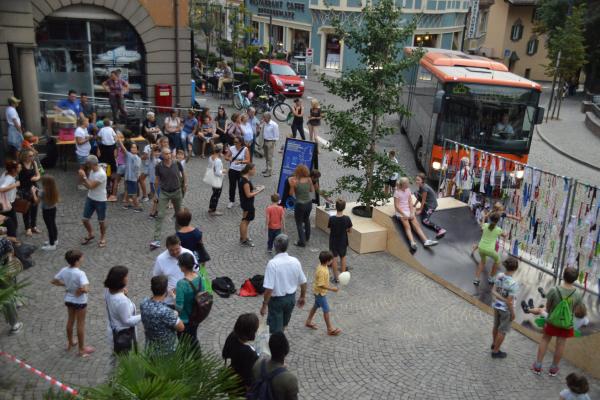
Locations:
(185, 297)
(236, 348)
(560, 303)
(272, 380)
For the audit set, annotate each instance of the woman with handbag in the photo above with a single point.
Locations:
(8, 195)
(29, 175)
(214, 173)
(121, 311)
(185, 298)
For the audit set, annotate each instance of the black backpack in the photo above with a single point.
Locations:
(262, 388)
(223, 286)
(23, 253)
(257, 282)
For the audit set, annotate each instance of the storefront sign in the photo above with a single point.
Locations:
(278, 8)
(295, 152)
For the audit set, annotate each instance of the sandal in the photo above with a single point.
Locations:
(86, 351)
(71, 345)
(334, 332)
(102, 243)
(87, 240)
(311, 325)
(35, 230)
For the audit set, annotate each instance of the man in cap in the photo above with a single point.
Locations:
(15, 130)
(95, 182)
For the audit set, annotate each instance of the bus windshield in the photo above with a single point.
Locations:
(495, 118)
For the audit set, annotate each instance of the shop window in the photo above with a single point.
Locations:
(425, 40)
(527, 73)
(255, 30)
(532, 46)
(516, 33)
(332, 52)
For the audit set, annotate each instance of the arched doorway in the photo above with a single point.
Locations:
(78, 46)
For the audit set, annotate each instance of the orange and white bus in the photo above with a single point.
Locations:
(471, 100)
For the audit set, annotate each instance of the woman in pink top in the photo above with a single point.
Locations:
(405, 212)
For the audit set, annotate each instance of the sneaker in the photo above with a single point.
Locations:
(247, 243)
(152, 216)
(553, 371)
(230, 205)
(429, 243)
(541, 292)
(46, 243)
(525, 307)
(499, 354)
(266, 175)
(270, 251)
(126, 207)
(16, 328)
(536, 368)
(155, 244)
(440, 233)
(530, 303)
(138, 210)
(145, 199)
(49, 247)
(476, 282)
(298, 244)
(217, 213)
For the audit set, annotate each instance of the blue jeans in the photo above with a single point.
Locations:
(92, 205)
(321, 302)
(272, 234)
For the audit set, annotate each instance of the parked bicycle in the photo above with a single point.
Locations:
(242, 99)
(275, 104)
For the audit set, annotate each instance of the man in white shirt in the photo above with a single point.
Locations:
(283, 276)
(95, 201)
(82, 142)
(15, 130)
(270, 138)
(166, 264)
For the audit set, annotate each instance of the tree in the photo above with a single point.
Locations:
(206, 17)
(373, 91)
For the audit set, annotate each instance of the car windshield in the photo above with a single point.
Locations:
(496, 118)
(279, 69)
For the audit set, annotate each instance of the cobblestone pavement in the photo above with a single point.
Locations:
(404, 337)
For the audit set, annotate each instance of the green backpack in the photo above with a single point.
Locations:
(562, 315)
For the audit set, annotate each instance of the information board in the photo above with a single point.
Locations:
(294, 152)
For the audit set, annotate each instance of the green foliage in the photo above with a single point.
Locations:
(225, 47)
(9, 291)
(373, 91)
(212, 57)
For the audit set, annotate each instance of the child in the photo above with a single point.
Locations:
(428, 199)
(49, 198)
(339, 226)
(568, 293)
(504, 293)
(580, 318)
(391, 182)
(487, 248)
(149, 160)
(77, 286)
(320, 288)
(274, 220)
(133, 166)
(578, 387)
(405, 212)
(501, 211)
(29, 140)
(121, 159)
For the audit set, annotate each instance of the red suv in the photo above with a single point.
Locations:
(281, 77)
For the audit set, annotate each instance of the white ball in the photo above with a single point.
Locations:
(344, 278)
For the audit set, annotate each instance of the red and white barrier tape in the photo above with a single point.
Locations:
(39, 373)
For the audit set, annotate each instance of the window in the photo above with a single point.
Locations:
(516, 33)
(532, 46)
(483, 22)
(527, 73)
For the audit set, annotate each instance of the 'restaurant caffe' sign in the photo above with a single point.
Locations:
(278, 8)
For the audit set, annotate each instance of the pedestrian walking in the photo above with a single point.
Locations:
(487, 248)
(274, 220)
(171, 180)
(185, 291)
(76, 286)
(301, 187)
(161, 322)
(560, 303)
(270, 131)
(427, 198)
(405, 212)
(8, 192)
(320, 288)
(577, 388)
(236, 348)
(314, 120)
(238, 156)
(298, 120)
(216, 165)
(48, 198)
(339, 226)
(504, 293)
(283, 275)
(29, 175)
(167, 264)
(273, 374)
(247, 194)
(121, 311)
(95, 201)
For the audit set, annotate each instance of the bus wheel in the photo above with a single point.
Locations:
(419, 155)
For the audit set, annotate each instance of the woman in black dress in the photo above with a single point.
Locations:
(247, 194)
(314, 120)
(28, 176)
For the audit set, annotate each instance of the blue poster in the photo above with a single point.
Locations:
(295, 152)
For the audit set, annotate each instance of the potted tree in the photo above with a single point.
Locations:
(372, 90)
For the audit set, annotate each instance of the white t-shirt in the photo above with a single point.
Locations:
(73, 278)
(241, 157)
(568, 395)
(11, 115)
(107, 136)
(283, 275)
(168, 266)
(82, 150)
(99, 192)
(7, 180)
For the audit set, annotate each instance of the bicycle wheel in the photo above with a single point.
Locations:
(282, 112)
(237, 101)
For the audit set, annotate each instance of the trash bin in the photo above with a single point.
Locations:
(163, 94)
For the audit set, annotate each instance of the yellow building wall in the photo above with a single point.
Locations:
(162, 12)
(496, 28)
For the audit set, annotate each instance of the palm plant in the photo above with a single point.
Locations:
(9, 290)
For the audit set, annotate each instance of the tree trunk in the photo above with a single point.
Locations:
(207, 47)
(371, 159)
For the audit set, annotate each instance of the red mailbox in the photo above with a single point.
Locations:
(163, 94)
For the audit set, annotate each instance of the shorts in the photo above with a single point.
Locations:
(502, 321)
(93, 205)
(132, 187)
(76, 306)
(338, 250)
(484, 253)
(391, 183)
(81, 160)
(121, 170)
(321, 302)
(280, 312)
(248, 215)
(553, 331)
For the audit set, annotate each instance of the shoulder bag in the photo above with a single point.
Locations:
(124, 340)
(211, 178)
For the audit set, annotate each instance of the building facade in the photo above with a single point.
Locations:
(51, 46)
(504, 31)
(301, 24)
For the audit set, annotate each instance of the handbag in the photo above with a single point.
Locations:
(211, 179)
(21, 206)
(124, 340)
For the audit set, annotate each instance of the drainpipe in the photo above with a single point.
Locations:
(177, 87)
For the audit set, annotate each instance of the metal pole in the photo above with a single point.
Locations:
(270, 35)
(556, 68)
